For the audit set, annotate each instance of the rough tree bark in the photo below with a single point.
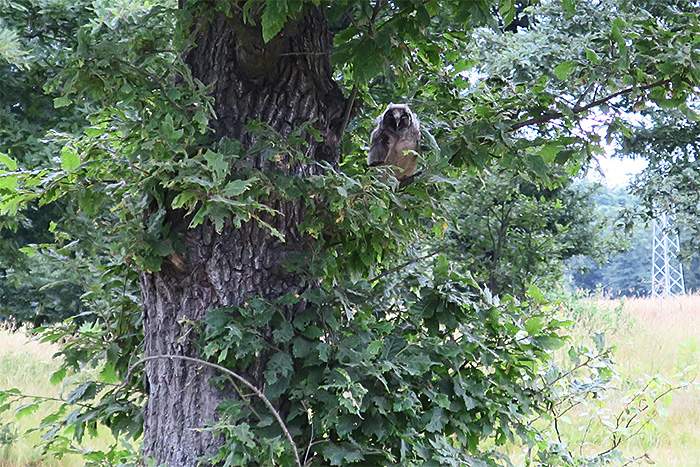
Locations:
(285, 83)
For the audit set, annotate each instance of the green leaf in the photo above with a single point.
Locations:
(217, 162)
(341, 454)
(534, 325)
(62, 101)
(288, 299)
(284, 333)
(344, 36)
(108, 374)
(302, 347)
(534, 293)
(536, 163)
(26, 409)
(81, 393)
(563, 70)
(689, 113)
(314, 296)
(8, 162)
(280, 365)
(69, 160)
(592, 56)
(549, 152)
(599, 341)
(275, 16)
(507, 10)
(569, 6)
(163, 248)
(237, 187)
(58, 375)
(8, 182)
(324, 351)
(168, 127)
(437, 420)
(616, 32)
(433, 7)
(368, 61)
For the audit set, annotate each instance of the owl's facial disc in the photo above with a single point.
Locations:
(401, 119)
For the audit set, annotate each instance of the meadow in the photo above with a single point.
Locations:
(657, 342)
(671, 343)
(27, 365)
(652, 338)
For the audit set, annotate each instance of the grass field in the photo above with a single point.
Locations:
(665, 339)
(651, 336)
(27, 365)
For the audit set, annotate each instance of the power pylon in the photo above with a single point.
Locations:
(666, 268)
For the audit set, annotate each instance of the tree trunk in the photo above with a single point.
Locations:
(285, 83)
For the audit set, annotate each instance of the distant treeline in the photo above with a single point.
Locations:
(626, 267)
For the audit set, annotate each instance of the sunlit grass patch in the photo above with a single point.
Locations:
(652, 337)
(27, 365)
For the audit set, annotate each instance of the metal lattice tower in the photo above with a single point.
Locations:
(666, 269)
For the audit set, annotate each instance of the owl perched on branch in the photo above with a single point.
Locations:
(394, 141)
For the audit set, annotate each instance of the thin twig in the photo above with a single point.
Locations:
(618, 440)
(300, 54)
(234, 375)
(46, 398)
(348, 108)
(158, 82)
(584, 94)
(373, 19)
(634, 460)
(183, 53)
(311, 437)
(407, 263)
(191, 37)
(576, 110)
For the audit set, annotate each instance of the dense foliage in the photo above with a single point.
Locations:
(399, 356)
(513, 233)
(36, 42)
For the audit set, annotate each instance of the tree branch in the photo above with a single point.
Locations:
(546, 117)
(234, 375)
(18, 396)
(348, 108)
(407, 263)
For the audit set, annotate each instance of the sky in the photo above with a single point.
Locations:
(619, 172)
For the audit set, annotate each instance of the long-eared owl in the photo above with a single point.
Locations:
(394, 140)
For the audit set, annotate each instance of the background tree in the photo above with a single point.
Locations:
(622, 266)
(669, 140)
(513, 233)
(36, 42)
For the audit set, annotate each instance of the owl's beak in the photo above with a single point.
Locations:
(397, 119)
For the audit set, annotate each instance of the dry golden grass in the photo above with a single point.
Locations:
(665, 340)
(27, 365)
(651, 336)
